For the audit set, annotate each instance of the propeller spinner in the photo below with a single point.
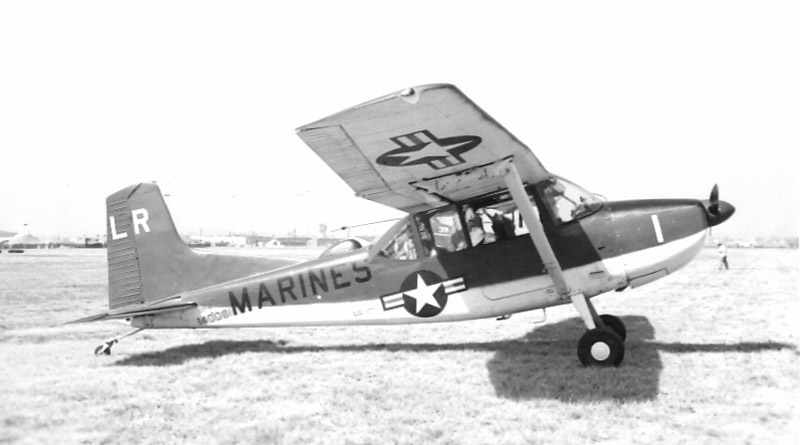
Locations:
(717, 211)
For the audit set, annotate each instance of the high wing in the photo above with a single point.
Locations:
(420, 148)
(425, 147)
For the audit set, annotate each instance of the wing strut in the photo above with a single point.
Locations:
(536, 231)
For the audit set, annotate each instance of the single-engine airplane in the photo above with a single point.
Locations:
(489, 232)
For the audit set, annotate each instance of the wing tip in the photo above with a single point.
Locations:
(410, 95)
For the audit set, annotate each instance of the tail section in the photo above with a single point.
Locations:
(125, 286)
(147, 260)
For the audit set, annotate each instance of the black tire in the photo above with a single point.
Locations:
(616, 325)
(601, 347)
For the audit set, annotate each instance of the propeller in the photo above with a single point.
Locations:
(717, 211)
(713, 200)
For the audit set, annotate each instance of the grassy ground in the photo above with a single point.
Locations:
(712, 357)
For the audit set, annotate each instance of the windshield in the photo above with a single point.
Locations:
(568, 201)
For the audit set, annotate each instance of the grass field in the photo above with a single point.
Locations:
(712, 357)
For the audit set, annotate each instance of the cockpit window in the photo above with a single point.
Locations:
(402, 245)
(487, 220)
(423, 235)
(568, 201)
(493, 218)
(441, 230)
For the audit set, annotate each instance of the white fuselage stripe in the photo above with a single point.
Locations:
(657, 227)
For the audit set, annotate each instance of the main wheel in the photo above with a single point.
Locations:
(601, 347)
(615, 324)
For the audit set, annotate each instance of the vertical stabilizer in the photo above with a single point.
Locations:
(148, 261)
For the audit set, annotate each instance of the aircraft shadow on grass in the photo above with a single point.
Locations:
(540, 365)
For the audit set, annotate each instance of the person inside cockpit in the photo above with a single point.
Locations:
(474, 226)
(502, 227)
(425, 237)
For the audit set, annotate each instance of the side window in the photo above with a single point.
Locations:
(495, 219)
(401, 246)
(440, 231)
(446, 230)
(424, 235)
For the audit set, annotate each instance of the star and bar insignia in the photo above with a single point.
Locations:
(422, 147)
(423, 294)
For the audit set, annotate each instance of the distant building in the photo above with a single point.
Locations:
(93, 243)
(271, 243)
(261, 241)
(297, 241)
(194, 242)
(25, 241)
(223, 241)
(327, 242)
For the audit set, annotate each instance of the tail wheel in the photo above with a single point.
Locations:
(601, 347)
(104, 349)
(615, 324)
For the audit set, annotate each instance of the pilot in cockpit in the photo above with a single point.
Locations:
(474, 226)
(426, 237)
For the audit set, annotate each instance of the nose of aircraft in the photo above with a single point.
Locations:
(720, 214)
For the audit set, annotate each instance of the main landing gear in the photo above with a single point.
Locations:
(603, 344)
(105, 348)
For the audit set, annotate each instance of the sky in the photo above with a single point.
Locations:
(629, 99)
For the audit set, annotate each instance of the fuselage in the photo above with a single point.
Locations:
(622, 244)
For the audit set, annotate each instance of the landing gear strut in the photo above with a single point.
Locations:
(615, 324)
(603, 343)
(105, 348)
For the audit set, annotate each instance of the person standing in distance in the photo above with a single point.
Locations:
(723, 256)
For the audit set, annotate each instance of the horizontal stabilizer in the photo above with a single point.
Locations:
(130, 312)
